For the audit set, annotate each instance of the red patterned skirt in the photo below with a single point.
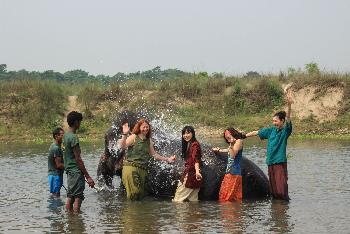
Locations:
(231, 188)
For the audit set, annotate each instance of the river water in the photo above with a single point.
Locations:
(319, 186)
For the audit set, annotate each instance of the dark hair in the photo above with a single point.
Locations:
(236, 134)
(74, 116)
(184, 143)
(136, 130)
(281, 115)
(56, 132)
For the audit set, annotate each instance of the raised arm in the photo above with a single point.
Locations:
(233, 150)
(126, 140)
(289, 100)
(158, 156)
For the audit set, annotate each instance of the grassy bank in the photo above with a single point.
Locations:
(30, 109)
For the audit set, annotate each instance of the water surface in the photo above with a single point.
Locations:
(319, 186)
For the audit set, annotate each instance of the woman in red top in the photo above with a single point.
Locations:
(191, 179)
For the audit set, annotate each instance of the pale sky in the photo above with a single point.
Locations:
(110, 36)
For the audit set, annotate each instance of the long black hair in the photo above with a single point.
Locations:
(236, 134)
(184, 143)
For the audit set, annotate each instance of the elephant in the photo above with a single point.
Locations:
(162, 177)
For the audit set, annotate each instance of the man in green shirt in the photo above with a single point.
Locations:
(55, 163)
(276, 158)
(74, 165)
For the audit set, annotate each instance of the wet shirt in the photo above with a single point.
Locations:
(139, 152)
(54, 151)
(234, 164)
(70, 140)
(277, 142)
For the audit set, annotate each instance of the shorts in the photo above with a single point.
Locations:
(76, 185)
(55, 183)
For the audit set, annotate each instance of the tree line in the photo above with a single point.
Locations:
(79, 75)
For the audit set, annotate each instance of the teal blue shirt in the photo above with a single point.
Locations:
(277, 142)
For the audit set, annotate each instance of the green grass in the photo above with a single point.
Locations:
(30, 109)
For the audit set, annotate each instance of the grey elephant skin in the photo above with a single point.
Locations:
(163, 177)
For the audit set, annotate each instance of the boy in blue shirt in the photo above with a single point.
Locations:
(55, 163)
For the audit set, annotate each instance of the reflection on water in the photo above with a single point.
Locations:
(279, 216)
(188, 216)
(55, 206)
(75, 224)
(318, 183)
(232, 217)
(136, 217)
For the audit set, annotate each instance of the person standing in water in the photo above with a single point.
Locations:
(231, 185)
(74, 165)
(191, 179)
(276, 157)
(55, 163)
(140, 150)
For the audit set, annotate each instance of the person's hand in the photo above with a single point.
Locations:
(288, 93)
(198, 176)
(216, 149)
(171, 159)
(287, 88)
(126, 128)
(91, 182)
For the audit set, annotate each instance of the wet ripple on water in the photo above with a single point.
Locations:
(318, 183)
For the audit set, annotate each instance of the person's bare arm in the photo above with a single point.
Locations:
(198, 173)
(58, 162)
(158, 156)
(253, 133)
(218, 149)
(289, 100)
(233, 150)
(81, 165)
(125, 142)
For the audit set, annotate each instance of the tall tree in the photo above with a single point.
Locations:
(77, 75)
